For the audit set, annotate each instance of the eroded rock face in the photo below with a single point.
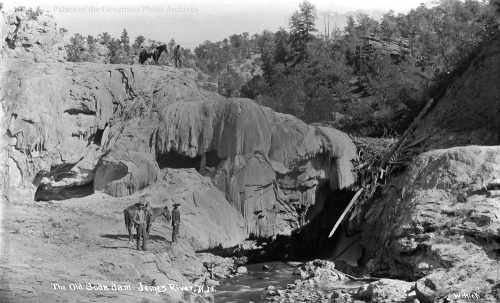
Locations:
(61, 119)
(274, 163)
(116, 126)
(438, 218)
(33, 37)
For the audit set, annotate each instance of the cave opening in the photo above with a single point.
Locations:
(98, 137)
(311, 241)
(176, 160)
(47, 192)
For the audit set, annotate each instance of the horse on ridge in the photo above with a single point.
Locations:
(155, 54)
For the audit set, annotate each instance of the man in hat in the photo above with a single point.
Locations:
(139, 219)
(177, 55)
(176, 222)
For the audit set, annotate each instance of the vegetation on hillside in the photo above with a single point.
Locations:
(376, 74)
(370, 78)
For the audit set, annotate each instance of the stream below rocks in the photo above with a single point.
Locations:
(252, 286)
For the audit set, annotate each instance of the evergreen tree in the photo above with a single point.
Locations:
(281, 49)
(125, 41)
(302, 25)
(138, 42)
(171, 45)
(75, 48)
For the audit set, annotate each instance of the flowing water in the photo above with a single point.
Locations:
(252, 286)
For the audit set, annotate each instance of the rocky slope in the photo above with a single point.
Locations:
(468, 113)
(436, 222)
(50, 247)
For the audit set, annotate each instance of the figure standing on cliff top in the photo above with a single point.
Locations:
(139, 219)
(176, 222)
(177, 55)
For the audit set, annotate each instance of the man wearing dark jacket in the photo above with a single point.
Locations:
(176, 221)
(177, 55)
(139, 219)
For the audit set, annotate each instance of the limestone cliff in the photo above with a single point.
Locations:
(112, 128)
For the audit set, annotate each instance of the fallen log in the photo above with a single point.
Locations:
(345, 212)
(362, 279)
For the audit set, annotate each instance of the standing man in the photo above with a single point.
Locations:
(177, 55)
(139, 219)
(176, 221)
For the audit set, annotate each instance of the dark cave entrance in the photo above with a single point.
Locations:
(175, 160)
(311, 241)
(46, 192)
(98, 137)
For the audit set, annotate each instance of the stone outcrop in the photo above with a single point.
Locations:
(115, 127)
(273, 163)
(395, 50)
(436, 219)
(387, 290)
(32, 36)
(319, 271)
(207, 218)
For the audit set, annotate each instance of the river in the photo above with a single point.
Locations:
(252, 286)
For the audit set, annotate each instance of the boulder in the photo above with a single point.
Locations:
(431, 288)
(241, 270)
(385, 290)
(428, 230)
(319, 271)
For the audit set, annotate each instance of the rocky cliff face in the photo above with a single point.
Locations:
(113, 128)
(438, 223)
(468, 113)
(28, 36)
(438, 219)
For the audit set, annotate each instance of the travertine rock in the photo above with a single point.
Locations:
(117, 126)
(35, 38)
(385, 290)
(428, 230)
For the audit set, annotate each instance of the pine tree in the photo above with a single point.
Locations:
(125, 41)
(302, 27)
(75, 48)
(136, 47)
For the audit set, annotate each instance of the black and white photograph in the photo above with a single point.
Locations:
(228, 151)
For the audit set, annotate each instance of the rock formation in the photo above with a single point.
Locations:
(437, 220)
(115, 127)
(28, 35)
(395, 50)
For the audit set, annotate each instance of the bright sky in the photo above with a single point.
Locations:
(189, 22)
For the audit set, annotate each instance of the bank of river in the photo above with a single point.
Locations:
(252, 286)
